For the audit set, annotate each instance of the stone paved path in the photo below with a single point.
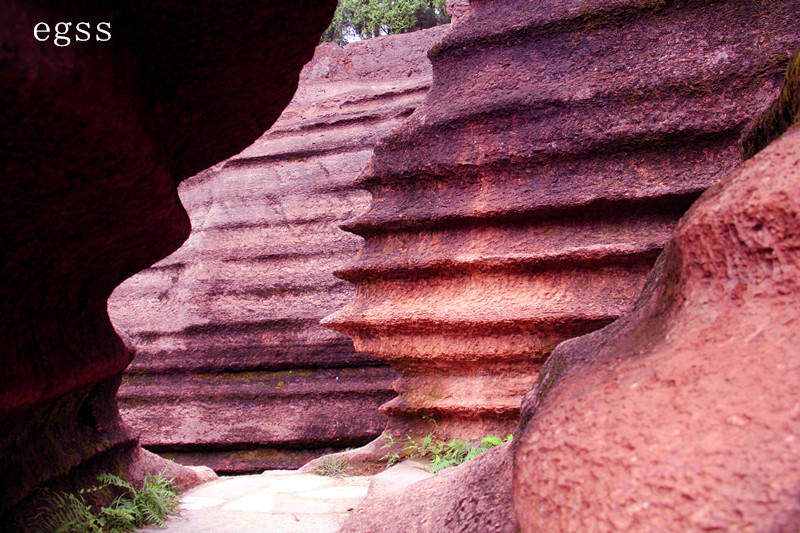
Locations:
(280, 501)
(273, 502)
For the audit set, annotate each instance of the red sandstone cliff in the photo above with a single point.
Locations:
(525, 200)
(679, 416)
(93, 139)
(233, 369)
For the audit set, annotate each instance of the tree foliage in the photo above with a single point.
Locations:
(362, 19)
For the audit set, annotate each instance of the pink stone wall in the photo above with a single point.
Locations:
(233, 369)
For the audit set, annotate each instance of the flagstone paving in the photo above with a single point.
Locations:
(281, 501)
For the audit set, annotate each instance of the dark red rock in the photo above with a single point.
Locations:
(233, 369)
(525, 200)
(93, 139)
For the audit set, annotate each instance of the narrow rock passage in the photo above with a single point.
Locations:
(276, 501)
(284, 501)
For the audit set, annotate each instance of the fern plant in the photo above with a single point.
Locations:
(151, 505)
(134, 508)
(391, 457)
(459, 451)
(65, 513)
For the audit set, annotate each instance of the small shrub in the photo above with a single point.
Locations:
(390, 457)
(441, 454)
(69, 513)
(459, 451)
(332, 467)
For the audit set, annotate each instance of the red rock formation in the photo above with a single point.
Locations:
(683, 415)
(526, 199)
(475, 497)
(233, 369)
(93, 138)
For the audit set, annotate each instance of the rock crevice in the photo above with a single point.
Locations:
(233, 368)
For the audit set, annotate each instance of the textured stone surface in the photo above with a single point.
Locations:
(273, 502)
(93, 138)
(233, 369)
(474, 497)
(526, 199)
(683, 414)
(399, 477)
(457, 8)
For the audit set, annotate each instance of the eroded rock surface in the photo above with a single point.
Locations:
(526, 199)
(683, 415)
(233, 369)
(93, 139)
(473, 497)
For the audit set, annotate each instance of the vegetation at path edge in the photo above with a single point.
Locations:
(134, 508)
(332, 467)
(441, 454)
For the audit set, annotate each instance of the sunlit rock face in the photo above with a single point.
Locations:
(683, 414)
(525, 200)
(233, 369)
(94, 137)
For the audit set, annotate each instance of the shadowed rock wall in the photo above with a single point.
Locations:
(526, 199)
(233, 369)
(94, 137)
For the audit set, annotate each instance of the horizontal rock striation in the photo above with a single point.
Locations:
(525, 200)
(233, 369)
(684, 413)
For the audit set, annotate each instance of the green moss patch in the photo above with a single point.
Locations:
(781, 115)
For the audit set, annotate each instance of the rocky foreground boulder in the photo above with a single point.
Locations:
(526, 199)
(94, 137)
(683, 415)
(233, 369)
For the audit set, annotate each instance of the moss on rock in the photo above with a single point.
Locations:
(781, 115)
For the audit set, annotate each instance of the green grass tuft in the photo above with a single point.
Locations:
(440, 454)
(332, 467)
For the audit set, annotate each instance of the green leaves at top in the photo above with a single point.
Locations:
(362, 19)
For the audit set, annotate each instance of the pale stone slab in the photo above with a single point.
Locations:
(278, 502)
(258, 502)
(192, 503)
(405, 473)
(343, 506)
(292, 504)
(278, 473)
(350, 492)
(229, 488)
(216, 521)
(299, 483)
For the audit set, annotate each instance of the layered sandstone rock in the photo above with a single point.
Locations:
(94, 137)
(683, 415)
(526, 199)
(233, 369)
